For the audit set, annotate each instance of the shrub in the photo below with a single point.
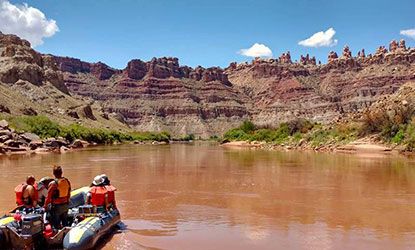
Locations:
(235, 134)
(399, 136)
(44, 127)
(297, 137)
(214, 138)
(281, 133)
(247, 127)
(299, 125)
(40, 125)
(319, 137)
(262, 135)
(387, 121)
(189, 137)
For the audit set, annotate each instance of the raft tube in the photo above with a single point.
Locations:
(5, 221)
(86, 234)
(10, 238)
(78, 197)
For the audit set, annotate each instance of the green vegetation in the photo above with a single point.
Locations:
(45, 128)
(293, 132)
(186, 138)
(395, 124)
(339, 134)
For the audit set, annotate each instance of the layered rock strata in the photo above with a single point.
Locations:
(162, 95)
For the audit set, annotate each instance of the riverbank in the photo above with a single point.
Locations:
(304, 135)
(360, 146)
(37, 134)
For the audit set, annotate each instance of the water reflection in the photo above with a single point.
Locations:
(207, 197)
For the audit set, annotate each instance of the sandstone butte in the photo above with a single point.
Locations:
(162, 95)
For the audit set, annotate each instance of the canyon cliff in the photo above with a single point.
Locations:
(162, 95)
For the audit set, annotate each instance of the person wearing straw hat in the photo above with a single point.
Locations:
(97, 193)
(101, 193)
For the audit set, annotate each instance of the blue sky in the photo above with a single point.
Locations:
(211, 32)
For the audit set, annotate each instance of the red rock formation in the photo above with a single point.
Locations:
(393, 46)
(402, 45)
(332, 56)
(164, 68)
(136, 69)
(101, 71)
(306, 60)
(285, 58)
(162, 95)
(381, 51)
(7, 40)
(72, 65)
(19, 62)
(347, 54)
(361, 54)
(343, 85)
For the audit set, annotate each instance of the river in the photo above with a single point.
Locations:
(207, 197)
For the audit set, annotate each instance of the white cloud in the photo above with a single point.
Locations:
(320, 39)
(409, 33)
(257, 50)
(25, 21)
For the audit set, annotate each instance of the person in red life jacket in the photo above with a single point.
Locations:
(59, 192)
(111, 192)
(102, 193)
(26, 193)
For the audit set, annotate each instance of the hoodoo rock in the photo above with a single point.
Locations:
(393, 46)
(402, 45)
(306, 60)
(381, 51)
(285, 58)
(347, 54)
(332, 56)
(361, 54)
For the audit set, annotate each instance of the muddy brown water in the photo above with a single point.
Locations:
(207, 197)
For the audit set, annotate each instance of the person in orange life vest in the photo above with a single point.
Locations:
(59, 192)
(42, 189)
(26, 193)
(111, 191)
(101, 195)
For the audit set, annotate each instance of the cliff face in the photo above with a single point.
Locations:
(282, 90)
(32, 83)
(163, 95)
(160, 95)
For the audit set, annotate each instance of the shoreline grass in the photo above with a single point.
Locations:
(46, 128)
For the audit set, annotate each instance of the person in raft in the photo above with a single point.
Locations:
(59, 192)
(42, 189)
(102, 194)
(26, 193)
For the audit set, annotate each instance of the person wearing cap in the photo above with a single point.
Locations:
(26, 193)
(59, 193)
(42, 189)
(101, 193)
